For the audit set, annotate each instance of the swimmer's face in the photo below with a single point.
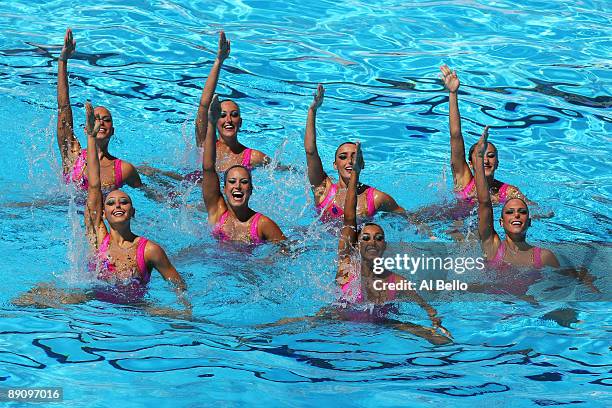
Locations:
(515, 217)
(118, 207)
(345, 157)
(372, 242)
(490, 160)
(230, 121)
(105, 119)
(238, 187)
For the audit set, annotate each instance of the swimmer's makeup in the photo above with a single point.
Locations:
(233, 114)
(512, 210)
(123, 201)
(104, 118)
(377, 237)
(232, 180)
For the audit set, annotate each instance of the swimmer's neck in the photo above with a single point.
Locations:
(367, 270)
(232, 144)
(242, 213)
(122, 233)
(516, 243)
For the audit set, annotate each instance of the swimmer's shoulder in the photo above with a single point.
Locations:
(549, 258)
(130, 174)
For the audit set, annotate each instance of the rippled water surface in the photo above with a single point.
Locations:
(537, 72)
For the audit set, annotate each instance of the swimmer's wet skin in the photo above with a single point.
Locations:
(114, 172)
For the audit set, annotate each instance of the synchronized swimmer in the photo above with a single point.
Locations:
(123, 261)
(114, 172)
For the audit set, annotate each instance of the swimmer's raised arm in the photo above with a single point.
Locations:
(348, 234)
(69, 145)
(211, 189)
(459, 165)
(94, 225)
(316, 174)
(488, 237)
(202, 123)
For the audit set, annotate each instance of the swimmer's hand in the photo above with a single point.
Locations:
(318, 98)
(69, 46)
(437, 325)
(359, 164)
(451, 82)
(481, 145)
(92, 124)
(214, 111)
(224, 47)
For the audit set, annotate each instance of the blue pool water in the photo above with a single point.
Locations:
(538, 72)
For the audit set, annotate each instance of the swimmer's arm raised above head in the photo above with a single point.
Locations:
(488, 237)
(94, 226)
(348, 234)
(211, 189)
(459, 165)
(316, 174)
(202, 123)
(69, 145)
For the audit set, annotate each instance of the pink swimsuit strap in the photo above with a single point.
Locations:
(503, 192)
(464, 193)
(498, 259)
(218, 228)
(370, 201)
(77, 175)
(246, 158)
(255, 239)
(333, 190)
(145, 273)
(336, 211)
(224, 237)
(118, 173)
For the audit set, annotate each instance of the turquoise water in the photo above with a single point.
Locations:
(538, 72)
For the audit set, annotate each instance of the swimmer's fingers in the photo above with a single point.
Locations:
(450, 79)
(359, 162)
(481, 145)
(445, 331)
(224, 47)
(318, 97)
(214, 111)
(69, 45)
(91, 124)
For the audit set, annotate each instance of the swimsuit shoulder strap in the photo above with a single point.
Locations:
(255, 239)
(329, 197)
(465, 191)
(246, 158)
(537, 257)
(140, 260)
(219, 224)
(499, 255)
(105, 243)
(118, 174)
(370, 201)
(503, 192)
